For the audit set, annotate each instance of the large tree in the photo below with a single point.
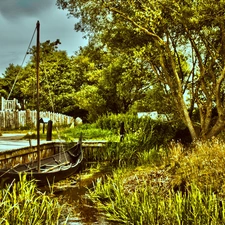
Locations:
(58, 80)
(113, 80)
(169, 33)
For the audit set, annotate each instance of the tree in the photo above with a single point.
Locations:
(60, 79)
(170, 32)
(56, 79)
(112, 82)
(8, 83)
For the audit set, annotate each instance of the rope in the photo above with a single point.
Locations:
(22, 64)
(53, 109)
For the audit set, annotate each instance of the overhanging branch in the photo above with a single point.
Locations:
(150, 33)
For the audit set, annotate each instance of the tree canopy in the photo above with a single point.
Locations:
(58, 82)
(180, 41)
(164, 55)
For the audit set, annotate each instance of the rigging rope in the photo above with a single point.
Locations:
(53, 109)
(22, 64)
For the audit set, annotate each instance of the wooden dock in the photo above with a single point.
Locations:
(13, 152)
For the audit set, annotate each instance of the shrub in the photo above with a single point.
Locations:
(149, 133)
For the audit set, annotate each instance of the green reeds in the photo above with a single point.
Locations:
(21, 203)
(89, 131)
(143, 203)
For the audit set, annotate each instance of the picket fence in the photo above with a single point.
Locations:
(27, 119)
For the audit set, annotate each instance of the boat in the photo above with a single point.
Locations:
(52, 168)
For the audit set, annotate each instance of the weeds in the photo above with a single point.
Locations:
(179, 186)
(145, 203)
(21, 204)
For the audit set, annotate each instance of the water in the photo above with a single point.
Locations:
(84, 211)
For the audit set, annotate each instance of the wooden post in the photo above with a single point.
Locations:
(38, 110)
(49, 131)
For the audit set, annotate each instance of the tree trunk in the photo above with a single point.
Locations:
(216, 129)
(187, 120)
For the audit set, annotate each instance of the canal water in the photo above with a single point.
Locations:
(83, 211)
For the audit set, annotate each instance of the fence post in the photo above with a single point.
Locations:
(49, 131)
(16, 119)
(3, 103)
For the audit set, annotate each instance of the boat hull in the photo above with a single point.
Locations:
(53, 169)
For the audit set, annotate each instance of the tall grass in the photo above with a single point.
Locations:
(143, 203)
(143, 140)
(203, 164)
(147, 132)
(21, 204)
(136, 145)
(181, 186)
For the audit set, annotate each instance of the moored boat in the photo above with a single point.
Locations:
(49, 169)
(53, 168)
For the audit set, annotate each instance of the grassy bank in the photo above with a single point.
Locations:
(182, 186)
(89, 131)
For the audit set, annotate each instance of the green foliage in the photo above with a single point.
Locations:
(112, 83)
(175, 45)
(89, 131)
(141, 145)
(91, 101)
(56, 91)
(59, 81)
(148, 133)
(21, 203)
(142, 203)
(12, 73)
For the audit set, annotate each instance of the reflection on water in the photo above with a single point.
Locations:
(85, 213)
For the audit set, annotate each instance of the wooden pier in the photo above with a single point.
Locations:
(10, 158)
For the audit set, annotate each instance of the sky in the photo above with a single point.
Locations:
(18, 20)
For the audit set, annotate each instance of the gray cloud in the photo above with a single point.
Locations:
(17, 29)
(16, 9)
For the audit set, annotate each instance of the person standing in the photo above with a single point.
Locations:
(122, 131)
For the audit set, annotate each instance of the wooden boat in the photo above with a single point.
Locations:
(53, 169)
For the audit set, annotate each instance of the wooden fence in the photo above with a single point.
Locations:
(27, 119)
(9, 104)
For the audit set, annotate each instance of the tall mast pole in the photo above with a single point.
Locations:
(37, 107)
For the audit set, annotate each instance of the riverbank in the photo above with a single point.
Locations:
(182, 186)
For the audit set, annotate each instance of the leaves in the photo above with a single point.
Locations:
(183, 45)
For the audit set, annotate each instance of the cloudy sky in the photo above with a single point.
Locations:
(18, 19)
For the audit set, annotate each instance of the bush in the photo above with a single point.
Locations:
(147, 132)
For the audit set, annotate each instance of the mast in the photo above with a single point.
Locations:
(37, 107)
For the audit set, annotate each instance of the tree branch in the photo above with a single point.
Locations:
(150, 33)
